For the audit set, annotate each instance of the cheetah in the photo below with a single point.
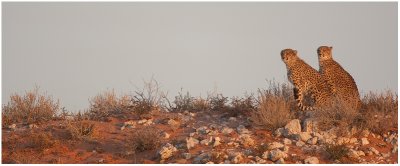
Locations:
(340, 81)
(311, 91)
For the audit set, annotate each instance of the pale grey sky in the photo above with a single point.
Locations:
(75, 51)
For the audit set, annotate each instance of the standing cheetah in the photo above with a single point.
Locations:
(311, 91)
(340, 81)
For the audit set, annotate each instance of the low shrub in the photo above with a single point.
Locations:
(81, 129)
(336, 152)
(108, 103)
(33, 107)
(41, 141)
(147, 138)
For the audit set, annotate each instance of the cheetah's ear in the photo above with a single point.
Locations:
(330, 48)
(295, 51)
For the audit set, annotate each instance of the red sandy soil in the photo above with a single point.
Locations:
(111, 145)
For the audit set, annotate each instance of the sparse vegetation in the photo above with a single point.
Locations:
(149, 99)
(33, 107)
(243, 106)
(379, 112)
(182, 102)
(274, 106)
(147, 138)
(108, 103)
(41, 141)
(218, 102)
(336, 152)
(81, 129)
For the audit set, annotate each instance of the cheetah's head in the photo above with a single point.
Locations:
(324, 53)
(288, 55)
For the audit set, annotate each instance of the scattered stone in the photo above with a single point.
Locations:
(101, 161)
(233, 119)
(279, 132)
(210, 162)
(394, 149)
(122, 128)
(286, 149)
(265, 155)
(165, 135)
(173, 122)
(186, 156)
(246, 140)
(191, 142)
(12, 127)
(287, 141)
(242, 130)
(385, 155)
(364, 141)
(310, 125)
(304, 136)
(311, 160)
(313, 141)
(280, 161)
(353, 140)
(275, 145)
(372, 150)
(192, 134)
(226, 130)
(237, 159)
(203, 130)
(277, 154)
(206, 141)
(33, 126)
(259, 160)
(143, 121)
(342, 140)
(201, 159)
(293, 127)
(300, 143)
(167, 151)
(365, 133)
(217, 141)
(360, 153)
(353, 154)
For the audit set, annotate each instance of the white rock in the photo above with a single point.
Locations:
(210, 162)
(275, 145)
(287, 141)
(259, 160)
(277, 154)
(342, 140)
(365, 133)
(300, 143)
(33, 126)
(217, 141)
(352, 154)
(165, 135)
(360, 153)
(246, 140)
(293, 127)
(206, 141)
(233, 119)
(12, 127)
(313, 141)
(167, 151)
(280, 161)
(364, 141)
(311, 160)
(373, 150)
(187, 156)
(286, 149)
(173, 122)
(237, 159)
(226, 130)
(279, 132)
(353, 140)
(304, 136)
(143, 121)
(191, 142)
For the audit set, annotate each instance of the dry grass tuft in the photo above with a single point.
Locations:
(81, 129)
(274, 106)
(379, 112)
(147, 138)
(218, 102)
(41, 141)
(336, 152)
(30, 108)
(108, 103)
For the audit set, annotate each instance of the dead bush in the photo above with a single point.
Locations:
(108, 103)
(336, 152)
(149, 99)
(200, 104)
(41, 141)
(33, 107)
(379, 112)
(182, 103)
(218, 102)
(81, 129)
(242, 106)
(339, 115)
(147, 138)
(274, 106)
